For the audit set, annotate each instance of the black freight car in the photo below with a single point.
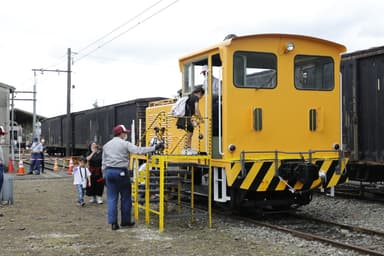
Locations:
(53, 132)
(93, 125)
(363, 113)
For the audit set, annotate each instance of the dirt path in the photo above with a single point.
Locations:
(45, 220)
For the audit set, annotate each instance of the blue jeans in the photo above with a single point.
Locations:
(118, 185)
(35, 163)
(1, 176)
(80, 193)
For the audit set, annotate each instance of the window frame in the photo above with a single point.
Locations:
(247, 86)
(314, 88)
(192, 78)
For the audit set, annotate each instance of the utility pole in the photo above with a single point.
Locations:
(19, 138)
(34, 106)
(69, 123)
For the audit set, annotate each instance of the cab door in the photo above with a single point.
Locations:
(215, 96)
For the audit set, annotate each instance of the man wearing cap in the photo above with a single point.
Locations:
(115, 163)
(2, 133)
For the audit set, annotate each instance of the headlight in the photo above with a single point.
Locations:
(289, 47)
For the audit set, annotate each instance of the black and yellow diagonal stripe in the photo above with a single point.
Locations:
(260, 176)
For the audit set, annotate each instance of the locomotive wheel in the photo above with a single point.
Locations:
(237, 197)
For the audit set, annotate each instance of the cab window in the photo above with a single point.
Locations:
(254, 69)
(314, 72)
(192, 75)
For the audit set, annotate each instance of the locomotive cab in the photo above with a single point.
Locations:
(272, 118)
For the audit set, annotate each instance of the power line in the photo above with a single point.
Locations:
(126, 31)
(119, 27)
(29, 80)
(62, 58)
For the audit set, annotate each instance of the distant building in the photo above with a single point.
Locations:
(5, 92)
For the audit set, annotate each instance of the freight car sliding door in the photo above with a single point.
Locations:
(371, 108)
(380, 102)
(94, 125)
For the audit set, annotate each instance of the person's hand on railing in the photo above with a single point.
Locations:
(197, 120)
(159, 146)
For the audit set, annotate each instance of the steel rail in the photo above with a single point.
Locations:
(345, 226)
(357, 193)
(309, 236)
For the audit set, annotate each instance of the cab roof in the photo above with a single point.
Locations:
(341, 48)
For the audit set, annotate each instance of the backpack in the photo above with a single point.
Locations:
(178, 109)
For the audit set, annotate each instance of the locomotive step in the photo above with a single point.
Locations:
(170, 172)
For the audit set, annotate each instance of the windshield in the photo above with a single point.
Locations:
(254, 69)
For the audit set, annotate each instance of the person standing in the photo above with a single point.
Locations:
(94, 157)
(185, 123)
(2, 133)
(81, 179)
(36, 149)
(115, 160)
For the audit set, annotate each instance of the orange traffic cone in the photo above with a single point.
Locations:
(10, 166)
(20, 171)
(55, 166)
(70, 166)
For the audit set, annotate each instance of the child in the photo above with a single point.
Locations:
(81, 177)
(158, 139)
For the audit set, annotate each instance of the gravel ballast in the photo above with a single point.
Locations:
(45, 220)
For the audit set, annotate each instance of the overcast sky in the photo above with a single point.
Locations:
(141, 59)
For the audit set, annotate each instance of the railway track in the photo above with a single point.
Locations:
(359, 239)
(49, 172)
(355, 238)
(365, 192)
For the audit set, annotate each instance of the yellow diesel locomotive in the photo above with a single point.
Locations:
(272, 118)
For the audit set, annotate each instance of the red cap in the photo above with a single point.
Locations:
(2, 131)
(120, 129)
